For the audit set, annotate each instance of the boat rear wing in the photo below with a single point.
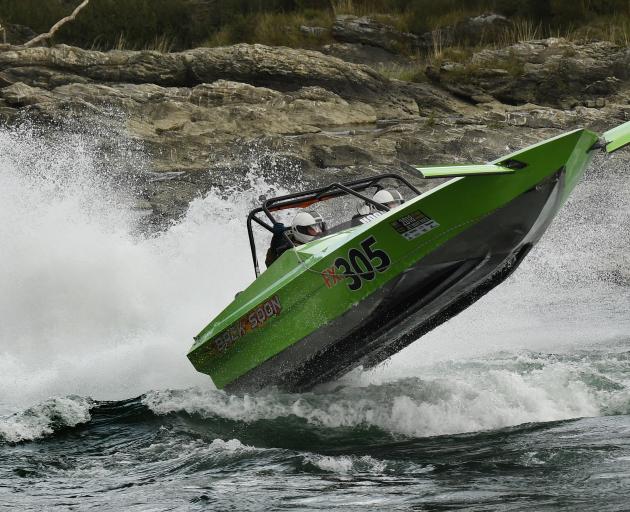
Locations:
(612, 141)
(459, 171)
(617, 138)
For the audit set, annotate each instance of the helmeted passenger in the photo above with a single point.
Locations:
(367, 211)
(304, 228)
(388, 197)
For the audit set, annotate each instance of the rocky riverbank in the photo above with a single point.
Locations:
(195, 113)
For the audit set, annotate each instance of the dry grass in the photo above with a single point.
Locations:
(614, 29)
(522, 29)
(400, 21)
(357, 8)
(343, 7)
(283, 29)
(453, 17)
(409, 73)
(121, 43)
(191, 23)
(223, 37)
(437, 46)
(162, 44)
(277, 29)
(268, 26)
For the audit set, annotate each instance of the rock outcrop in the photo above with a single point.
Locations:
(367, 31)
(199, 115)
(255, 64)
(550, 72)
(366, 40)
(360, 53)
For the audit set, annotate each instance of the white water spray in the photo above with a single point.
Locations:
(89, 309)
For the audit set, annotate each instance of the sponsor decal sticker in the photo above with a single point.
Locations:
(331, 278)
(414, 225)
(369, 218)
(252, 320)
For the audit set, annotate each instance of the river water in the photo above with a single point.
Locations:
(522, 402)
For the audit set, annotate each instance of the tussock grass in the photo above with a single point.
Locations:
(615, 29)
(176, 24)
(522, 29)
(410, 73)
(276, 29)
(162, 44)
(358, 7)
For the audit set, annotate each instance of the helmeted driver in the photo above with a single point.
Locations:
(304, 228)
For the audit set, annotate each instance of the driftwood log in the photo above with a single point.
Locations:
(57, 26)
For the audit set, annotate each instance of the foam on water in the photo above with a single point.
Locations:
(91, 309)
(449, 398)
(45, 418)
(345, 464)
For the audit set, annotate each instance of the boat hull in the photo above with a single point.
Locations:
(298, 325)
(426, 295)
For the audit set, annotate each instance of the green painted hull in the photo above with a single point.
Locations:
(302, 292)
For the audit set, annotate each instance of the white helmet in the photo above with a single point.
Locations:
(390, 198)
(307, 225)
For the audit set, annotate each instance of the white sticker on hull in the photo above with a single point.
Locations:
(414, 225)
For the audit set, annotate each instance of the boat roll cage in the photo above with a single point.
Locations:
(310, 197)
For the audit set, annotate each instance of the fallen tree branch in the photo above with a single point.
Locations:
(56, 26)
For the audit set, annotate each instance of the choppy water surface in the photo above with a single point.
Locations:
(520, 403)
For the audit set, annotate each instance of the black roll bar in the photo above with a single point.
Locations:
(309, 197)
(250, 232)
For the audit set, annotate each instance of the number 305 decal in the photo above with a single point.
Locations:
(360, 264)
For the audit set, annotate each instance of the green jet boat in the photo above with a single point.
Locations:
(360, 293)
